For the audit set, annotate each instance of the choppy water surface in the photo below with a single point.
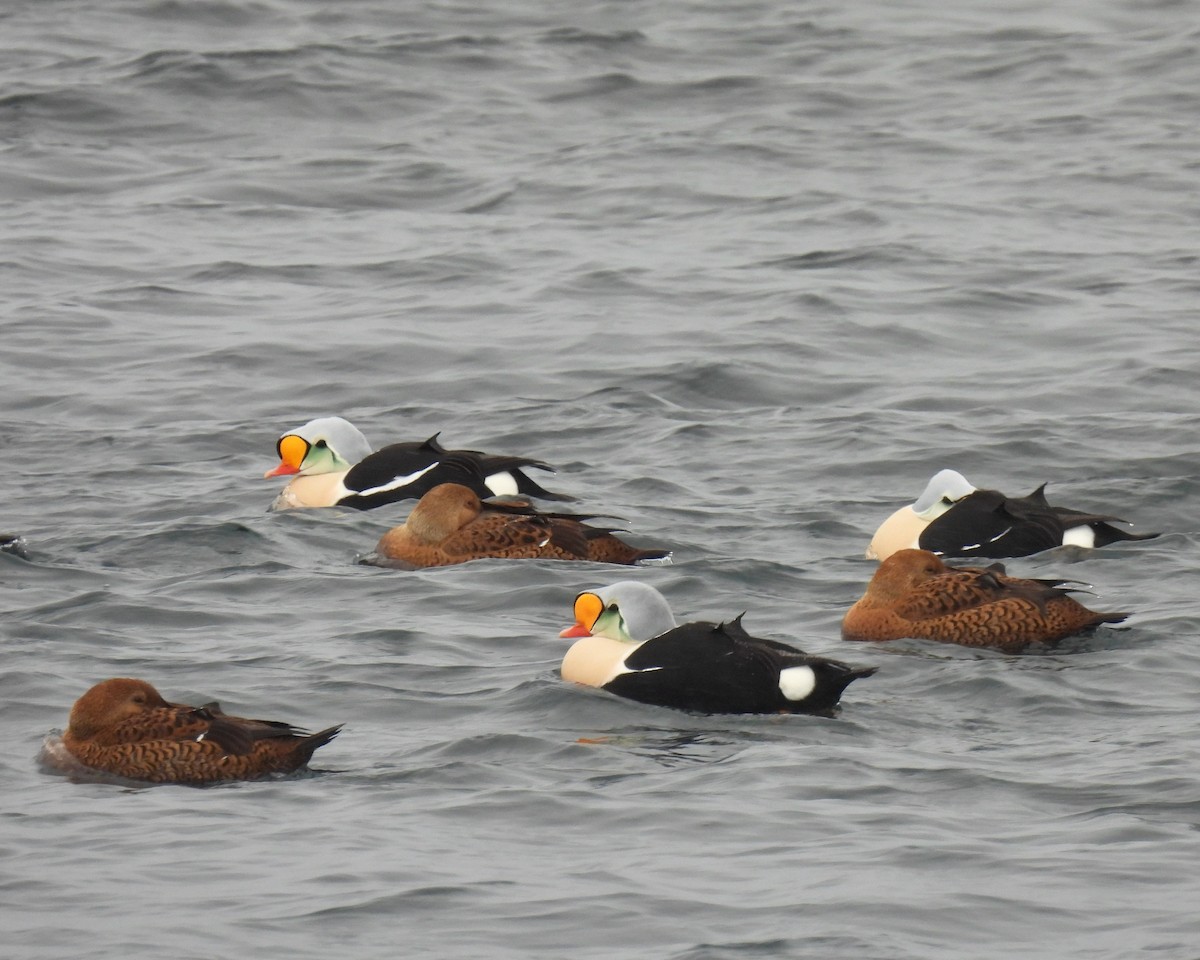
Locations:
(748, 274)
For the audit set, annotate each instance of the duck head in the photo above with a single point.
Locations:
(324, 445)
(443, 510)
(900, 573)
(628, 610)
(942, 492)
(109, 702)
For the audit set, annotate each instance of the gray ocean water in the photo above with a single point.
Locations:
(748, 274)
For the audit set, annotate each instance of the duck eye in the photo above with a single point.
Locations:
(139, 698)
(321, 443)
(612, 608)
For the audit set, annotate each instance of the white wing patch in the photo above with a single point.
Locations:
(502, 484)
(1081, 536)
(796, 683)
(396, 482)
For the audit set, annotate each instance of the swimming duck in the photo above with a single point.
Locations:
(954, 519)
(13, 543)
(914, 594)
(630, 645)
(332, 465)
(123, 727)
(451, 525)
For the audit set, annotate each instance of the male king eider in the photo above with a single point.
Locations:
(632, 647)
(914, 594)
(954, 519)
(332, 465)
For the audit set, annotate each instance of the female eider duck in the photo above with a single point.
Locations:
(451, 525)
(124, 728)
(631, 646)
(914, 594)
(954, 519)
(332, 465)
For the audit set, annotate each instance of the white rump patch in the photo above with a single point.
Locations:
(796, 683)
(397, 482)
(1081, 536)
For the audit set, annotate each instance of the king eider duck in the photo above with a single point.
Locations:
(631, 646)
(124, 728)
(914, 594)
(954, 519)
(332, 465)
(451, 525)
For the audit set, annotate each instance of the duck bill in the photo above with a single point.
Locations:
(292, 452)
(588, 608)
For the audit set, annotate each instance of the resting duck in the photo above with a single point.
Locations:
(333, 465)
(124, 728)
(914, 594)
(451, 525)
(954, 519)
(632, 647)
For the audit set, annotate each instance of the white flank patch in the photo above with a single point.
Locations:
(1081, 536)
(502, 484)
(397, 482)
(1003, 533)
(796, 683)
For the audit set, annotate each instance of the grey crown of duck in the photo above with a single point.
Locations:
(630, 645)
(954, 519)
(331, 464)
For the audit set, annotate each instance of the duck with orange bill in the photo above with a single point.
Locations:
(630, 645)
(331, 464)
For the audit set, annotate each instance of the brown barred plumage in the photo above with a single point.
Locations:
(451, 525)
(914, 594)
(124, 727)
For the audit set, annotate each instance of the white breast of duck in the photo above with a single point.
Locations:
(321, 490)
